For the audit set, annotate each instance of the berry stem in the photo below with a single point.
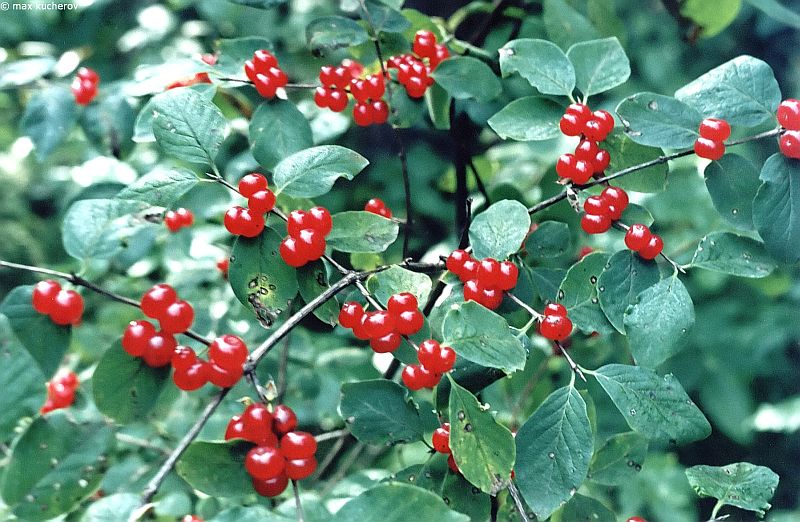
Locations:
(520, 507)
(322, 437)
(534, 314)
(575, 368)
(287, 86)
(297, 502)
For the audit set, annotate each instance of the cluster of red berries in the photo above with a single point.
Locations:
(62, 306)
(307, 232)
(588, 159)
(249, 222)
(485, 280)
(226, 357)
(555, 325)
(384, 328)
(441, 443)
(603, 210)
(265, 74)
(641, 240)
(280, 453)
(413, 72)
(60, 392)
(178, 219)
(84, 86)
(789, 118)
(434, 361)
(711, 143)
(370, 107)
(377, 206)
(141, 339)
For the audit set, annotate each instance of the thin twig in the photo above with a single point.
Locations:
(282, 367)
(479, 181)
(332, 454)
(401, 153)
(572, 364)
(322, 437)
(297, 503)
(514, 492)
(527, 308)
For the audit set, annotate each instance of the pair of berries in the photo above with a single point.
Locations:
(425, 46)
(161, 303)
(178, 219)
(264, 72)
(84, 86)
(64, 307)
(370, 107)
(603, 210)
(377, 206)
(789, 118)
(434, 361)
(555, 325)
(580, 120)
(441, 443)
(249, 222)
(485, 280)
(384, 328)
(641, 240)
(226, 356)
(713, 133)
(589, 159)
(60, 392)
(306, 240)
(280, 453)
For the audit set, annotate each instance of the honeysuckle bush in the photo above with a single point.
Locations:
(674, 397)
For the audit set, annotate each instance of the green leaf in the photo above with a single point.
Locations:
(380, 412)
(124, 387)
(578, 293)
(776, 208)
(112, 508)
(395, 502)
(731, 254)
(566, 26)
(49, 117)
(499, 230)
(438, 102)
(656, 407)
(483, 449)
(732, 182)
(216, 468)
(658, 321)
(619, 460)
(554, 448)
(278, 130)
(188, 126)
(483, 337)
(542, 63)
(259, 277)
(161, 187)
(395, 280)
(483, 85)
(547, 281)
(359, 231)
(312, 172)
(55, 450)
(45, 341)
(659, 121)
(742, 485)
(581, 508)
(384, 18)
(714, 17)
(313, 281)
(260, 4)
(777, 11)
(333, 32)
(550, 239)
(143, 126)
(742, 91)
(626, 153)
(600, 65)
(528, 119)
(22, 72)
(97, 228)
(465, 498)
(254, 513)
(625, 276)
(21, 380)
(109, 123)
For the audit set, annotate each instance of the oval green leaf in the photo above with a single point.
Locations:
(731, 254)
(542, 63)
(625, 276)
(500, 230)
(579, 294)
(278, 130)
(776, 208)
(483, 85)
(600, 65)
(216, 468)
(528, 119)
(659, 121)
(359, 231)
(312, 172)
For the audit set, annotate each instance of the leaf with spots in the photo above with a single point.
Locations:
(656, 407)
(656, 120)
(313, 281)
(554, 448)
(618, 460)
(624, 277)
(55, 464)
(259, 277)
(583, 509)
(363, 232)
(731, 254)
(483, 449)
(742, 485)
(732, 182)
(578, 293)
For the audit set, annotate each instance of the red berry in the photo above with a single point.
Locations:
(377, 206)
(311, 243)
(251, 224)
(413, 377)
(596, 205)
(709, 149)
(555, 309)
(350, 314)
(455, 261)
(69, 379)
(469, 270)
(292, 253)
(571, 125)
(358, 89)
(424, 43)
(272, 487)
(298, 469)
(380, 111)
(321, 97)
(159, 349)
(337, 100)
(583, 112)
(637, 237)
(789, 114)
(296, 221)
(185, 217)
(472, 291)
(137, 336)
(235, 429)
(192, 518)
(223, 265)
(228, 352)
(67, 308)
(352, 67)
(601, 161)
(221, 377)
(416, 87)
(715, 129)
(451, 463)
(441, 54)
(298, 445)
(441, 439)
(261, 202)
(192, 378)
(379, 323)
(321, 220)
(172, 221)
(491, 297)
(85, 73)
(183, 357)
(570, 167)
(636, 519)
(263, 462)
(257, 428)
(156, 300)
(587, 150)
(177, 318)
(489, 272)
(616, 197)
(362, 114)
(402, 302)
(653, 248)
(264, 60)
(360, 328)
(595, 223)
(555, 327)
(605, 123)
(409, 322)
(284, 419)
(44, 295)
(59, 395)
(386, 344)
(326, 75)
(509, 274)
(789, 144)
(265, 86)
(376, 86)
(436, 358)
